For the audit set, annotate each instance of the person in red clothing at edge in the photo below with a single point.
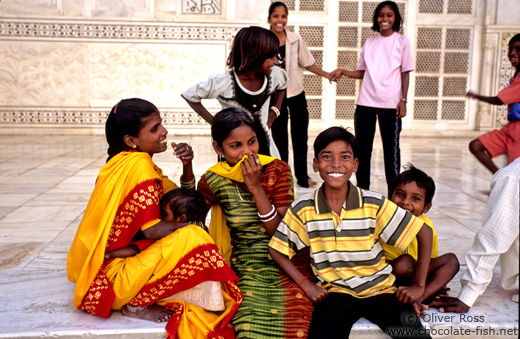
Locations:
(507, 139)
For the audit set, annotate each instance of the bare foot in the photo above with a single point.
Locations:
(312, 183)
(153, 312)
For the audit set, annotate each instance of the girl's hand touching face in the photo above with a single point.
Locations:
(184, 152)
(252, 171)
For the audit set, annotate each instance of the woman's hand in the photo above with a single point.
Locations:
(252, 171)
(401, 110)
(184, 152)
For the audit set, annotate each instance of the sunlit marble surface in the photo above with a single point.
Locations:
(45, 183)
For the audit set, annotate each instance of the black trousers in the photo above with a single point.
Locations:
(365, 128)
(297, 107)
(333, 317)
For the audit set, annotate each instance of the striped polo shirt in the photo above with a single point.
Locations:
(346, 255)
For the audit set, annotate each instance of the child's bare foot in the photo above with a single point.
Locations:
(153, 313)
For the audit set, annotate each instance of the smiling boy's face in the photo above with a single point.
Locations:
(514, 53)
(336, 163)
(411, 197)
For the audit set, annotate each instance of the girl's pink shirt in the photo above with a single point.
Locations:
(384, 59)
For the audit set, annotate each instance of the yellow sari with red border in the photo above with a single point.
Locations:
(124, 201)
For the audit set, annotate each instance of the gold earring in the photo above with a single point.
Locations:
(220, 159)
(134, 146)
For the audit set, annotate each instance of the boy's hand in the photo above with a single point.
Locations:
(183, 151)
(315, 293)
(409, 294)
(471, 94)
(419, 308)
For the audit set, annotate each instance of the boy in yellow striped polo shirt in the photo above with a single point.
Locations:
(342, 225)
(413, 190)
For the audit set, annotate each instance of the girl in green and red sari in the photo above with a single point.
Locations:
(249, 194)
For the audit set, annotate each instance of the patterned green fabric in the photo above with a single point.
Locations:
(273, 306)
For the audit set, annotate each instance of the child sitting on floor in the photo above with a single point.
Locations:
(342, 224)
(178, 205)
(413, 191)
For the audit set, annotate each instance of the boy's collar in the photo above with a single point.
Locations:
(353, 200)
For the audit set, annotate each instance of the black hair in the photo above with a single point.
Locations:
(398, 22)
(185, 201)
(332, 134)
(251, 47)
(277, 4)
(226, 121)
(413, 174)
(515, 38)
(127, 117)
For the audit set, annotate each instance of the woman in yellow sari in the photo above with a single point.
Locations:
(175, 257)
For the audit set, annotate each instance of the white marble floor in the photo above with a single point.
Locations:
(45, 183)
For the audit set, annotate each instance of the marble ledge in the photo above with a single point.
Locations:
(39, 305)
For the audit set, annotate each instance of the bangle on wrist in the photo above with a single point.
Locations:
(403, 99)
(269, 219)
(268, 214)
(301, 282)
(275, 110)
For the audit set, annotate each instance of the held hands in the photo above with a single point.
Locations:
(336, 75)
(183, 151)
(409, 294)
(315, 293)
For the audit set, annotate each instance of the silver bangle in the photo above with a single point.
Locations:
(263, 216)
(271, 218)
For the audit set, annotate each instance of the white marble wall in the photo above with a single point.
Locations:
(64, 63)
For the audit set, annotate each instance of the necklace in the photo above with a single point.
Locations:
(238, 192)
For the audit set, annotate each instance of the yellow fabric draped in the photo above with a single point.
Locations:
(129, 275)
(196, 323)
(218, 228)
(118, 177)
